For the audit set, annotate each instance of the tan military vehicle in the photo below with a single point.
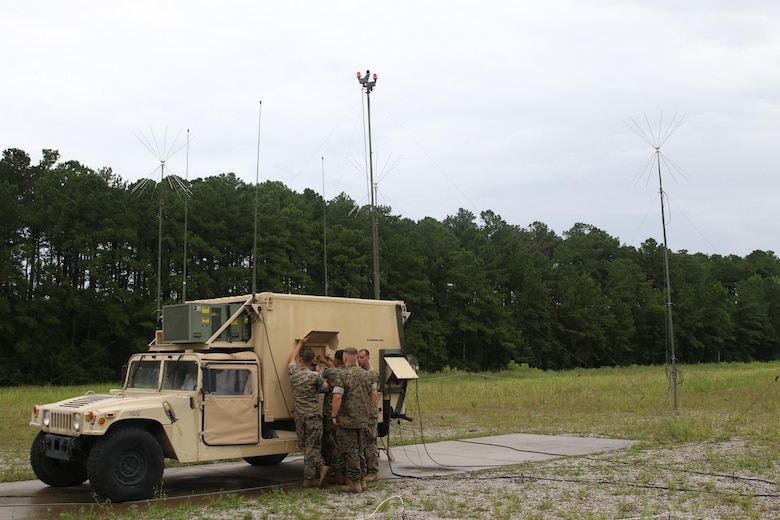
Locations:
(213, 385)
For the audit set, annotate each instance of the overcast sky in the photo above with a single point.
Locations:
(523, 108)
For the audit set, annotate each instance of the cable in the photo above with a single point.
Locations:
(101, 350)
(690, 471)
(383, 502)
(446, 466)
(273, 361)
(607, 482)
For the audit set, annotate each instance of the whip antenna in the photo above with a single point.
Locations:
(257, 190)
(324, 228)
(186, 207)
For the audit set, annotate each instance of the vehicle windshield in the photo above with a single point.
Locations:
(144, 374)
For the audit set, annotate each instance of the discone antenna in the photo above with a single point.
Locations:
(161, 150)
(656, 138)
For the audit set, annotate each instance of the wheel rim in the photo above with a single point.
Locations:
(131, 467)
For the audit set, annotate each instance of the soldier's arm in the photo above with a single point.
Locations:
(374, 388)
(297, 350)
(336, 406)
(325, 360)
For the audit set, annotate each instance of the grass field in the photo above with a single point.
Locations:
(717, 403)
(714, 402)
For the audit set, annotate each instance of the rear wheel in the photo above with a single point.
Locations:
(54, 472)
(266, 460)
(126, 464)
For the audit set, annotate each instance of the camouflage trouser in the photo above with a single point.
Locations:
(310, 442)
(369, 445)
(330, 444)
(352, 452)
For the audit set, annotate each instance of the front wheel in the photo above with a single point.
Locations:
(54, 472)
(126, 464)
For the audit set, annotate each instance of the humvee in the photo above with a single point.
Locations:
(213, 385)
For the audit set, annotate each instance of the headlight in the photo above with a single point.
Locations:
(46, 418)
(77, 422)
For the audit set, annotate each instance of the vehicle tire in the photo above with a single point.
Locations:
(126, 464)
(54, 472)
(266, 460)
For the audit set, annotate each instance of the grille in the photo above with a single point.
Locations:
(61, 421)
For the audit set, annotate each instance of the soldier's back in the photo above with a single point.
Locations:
(356, 400)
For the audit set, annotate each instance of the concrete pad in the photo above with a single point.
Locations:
(199, 483)
(448, 457)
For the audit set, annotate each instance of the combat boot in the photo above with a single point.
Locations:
(324, 471)
(352, 486)
(310, 482)
(372, 477)
(363, 486)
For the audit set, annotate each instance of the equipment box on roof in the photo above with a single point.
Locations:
(196, 322)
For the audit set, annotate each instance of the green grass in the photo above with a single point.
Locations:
(16, 404)
(716, 402)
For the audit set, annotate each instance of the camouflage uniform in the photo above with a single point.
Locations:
(355, 389)
(370, 434)
(306, 386)
(330, 446)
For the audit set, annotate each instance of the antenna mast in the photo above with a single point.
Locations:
(158, 312)
(673, 359)
(368, 82)
(657, 141)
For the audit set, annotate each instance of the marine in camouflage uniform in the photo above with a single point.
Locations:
(306, 386)
(370, 435)
(330, 446)
(352, 400)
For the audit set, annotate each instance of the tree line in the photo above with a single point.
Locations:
(80, 248)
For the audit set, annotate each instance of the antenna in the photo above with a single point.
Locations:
(162, 153)
(367, 83)
(656, 139)
(324, 228)
(186, 220)
(363, 171)
(257, 191)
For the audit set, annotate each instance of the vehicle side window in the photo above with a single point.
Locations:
(230, 381)
(180, 375)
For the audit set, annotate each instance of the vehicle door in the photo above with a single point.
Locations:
(231, 404)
